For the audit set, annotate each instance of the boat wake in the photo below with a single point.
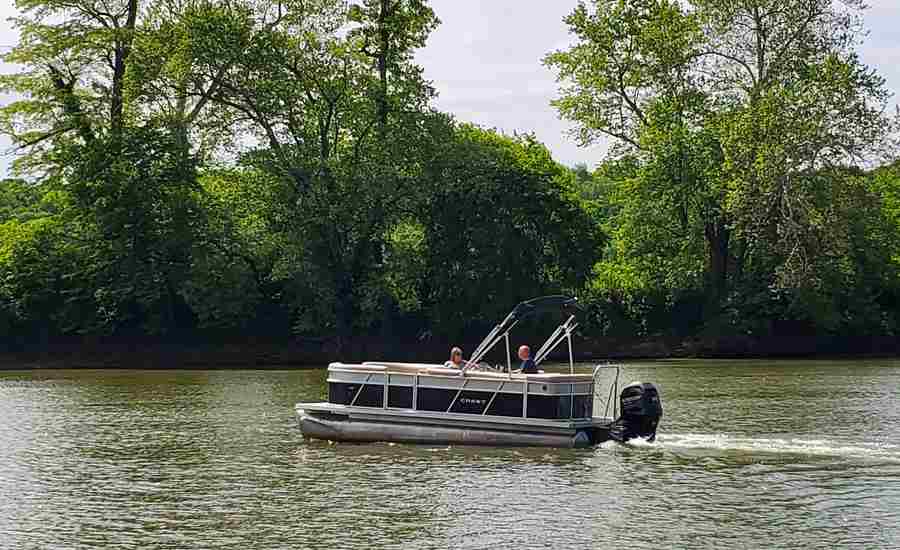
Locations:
(777, 446)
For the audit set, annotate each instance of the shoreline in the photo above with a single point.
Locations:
(305, 353)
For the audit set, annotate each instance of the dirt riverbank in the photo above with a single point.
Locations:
(167, 353)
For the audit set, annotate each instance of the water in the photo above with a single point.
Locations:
(751, 454)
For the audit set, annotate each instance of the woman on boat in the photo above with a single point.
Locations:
(456, 360)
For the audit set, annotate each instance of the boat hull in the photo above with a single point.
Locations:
(336, 427)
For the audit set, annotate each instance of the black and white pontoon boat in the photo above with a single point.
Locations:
(433, 404)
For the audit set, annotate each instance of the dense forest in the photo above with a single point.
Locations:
(223, 169)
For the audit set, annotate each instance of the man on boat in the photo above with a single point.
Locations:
(528, 366)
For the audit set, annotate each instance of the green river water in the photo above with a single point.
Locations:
(751, 454)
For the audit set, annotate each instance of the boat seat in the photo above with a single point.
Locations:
(359, 367)
(551, 377)
(411, 368)
(404, 368)
(439, 370)
(559, 377)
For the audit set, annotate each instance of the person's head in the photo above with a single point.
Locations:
(524, 352)
(456, 355)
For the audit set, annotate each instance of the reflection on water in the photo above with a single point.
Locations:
(750, 455)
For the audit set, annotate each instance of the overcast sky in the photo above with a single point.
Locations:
(485, 61)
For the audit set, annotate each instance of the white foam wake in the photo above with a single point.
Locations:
(636, 442)
(796, 446)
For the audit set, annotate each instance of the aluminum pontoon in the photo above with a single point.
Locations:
(480, 405)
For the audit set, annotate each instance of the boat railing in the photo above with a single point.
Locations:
(610, 401)
(356, 378)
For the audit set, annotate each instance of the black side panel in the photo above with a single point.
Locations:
(584, 406)
(472, 402)
(372, 395)
(550, 407)
(341, 394)
(400, 397)
(507, 404)
(431, 399)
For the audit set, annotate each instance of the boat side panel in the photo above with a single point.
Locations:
(543, 386)
(584, 406)
(433, 399)
(506, 404)
(468, 401)
(371, 395)
(400, 397)
(542, 406)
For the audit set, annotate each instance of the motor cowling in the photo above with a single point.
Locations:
(641, 410)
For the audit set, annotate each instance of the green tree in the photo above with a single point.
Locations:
(341, 118)
(73, 58)
(22, 201)
(42, 290)
(503, 224)
(738, 114)
(136, 193)
(128, 176)
(245, 260)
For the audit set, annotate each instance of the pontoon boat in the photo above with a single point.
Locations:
(483, 405)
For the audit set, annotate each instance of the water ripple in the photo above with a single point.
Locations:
(750, 455)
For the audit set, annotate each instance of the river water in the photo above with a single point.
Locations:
(751, 454)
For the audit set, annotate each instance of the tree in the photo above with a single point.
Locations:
(245, 259)
(343, 119)
(41, 290)
(503, 224)
(74, 57)
(737, 112)
(135, 192)
(129, 177)
(21, 201)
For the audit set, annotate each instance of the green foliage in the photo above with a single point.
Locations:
(504, 224)
(885, 184)
(137, 190)
(405, 264)
(738, 118)
(243, 259)
(343, 121)
(25, 286)
(276, 168)
(42, 287)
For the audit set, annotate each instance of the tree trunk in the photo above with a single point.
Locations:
(383, 54)
(717, 241)
(122, 51)
(344, 306)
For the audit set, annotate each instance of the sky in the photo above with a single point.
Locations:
(485, 62)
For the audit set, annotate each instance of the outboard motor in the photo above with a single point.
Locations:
(641, 411)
